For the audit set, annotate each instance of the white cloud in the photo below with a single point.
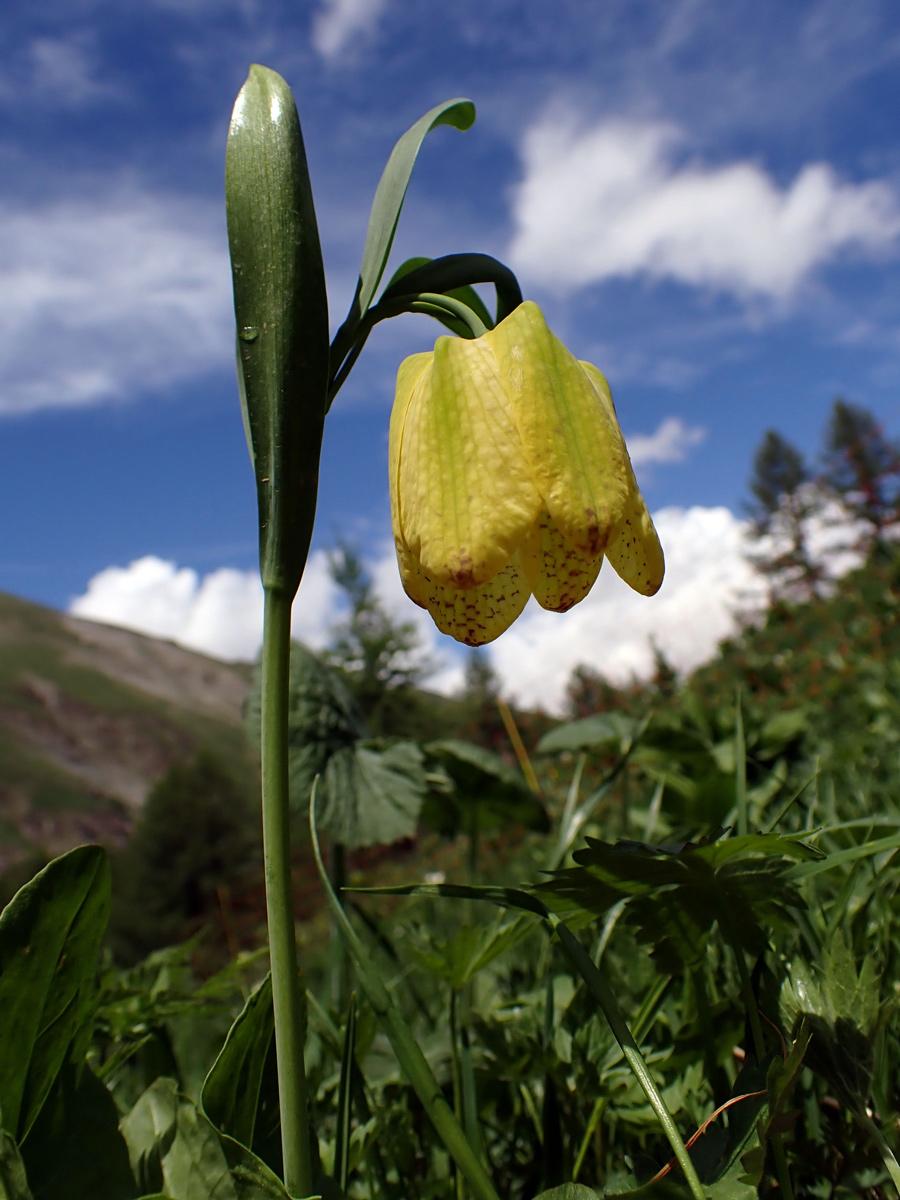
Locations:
(671, 442)
(341, 24)
(710, 586)
(621, 198)
(219, 614)
(113, 293)
(707, 580)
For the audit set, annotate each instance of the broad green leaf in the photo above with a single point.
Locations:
(231, 1093)
(170, 1138)
(75, 1148)
(281, 311)
(602, 731)
(13, 1183)
(250, 1177)
(50, 937)
(391, 191)
(373, 794)
(195, 1164)
(487, 793)
(149, 1130)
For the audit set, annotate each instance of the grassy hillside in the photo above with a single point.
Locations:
(91, 717)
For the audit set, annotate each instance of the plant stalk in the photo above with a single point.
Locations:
(287, 999)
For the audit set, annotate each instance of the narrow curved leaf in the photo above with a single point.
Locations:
(453, 275)
(391, 191)
(385, 213)
(50, 937)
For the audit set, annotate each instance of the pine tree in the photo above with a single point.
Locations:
(784, 498)
(862, 468)
(196, 835)
(381, 657)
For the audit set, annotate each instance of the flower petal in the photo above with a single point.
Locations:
(408, 376)
(634, 548)
(558, 574)
(472, 615)
(466, 497)
(574, 449)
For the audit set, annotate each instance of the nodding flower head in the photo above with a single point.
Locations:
(510, 477)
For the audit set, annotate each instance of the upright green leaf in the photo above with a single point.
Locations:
(281, 311)
(391, 192)
(231, 1093)
(50, 937)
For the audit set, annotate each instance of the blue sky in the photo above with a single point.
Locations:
(704, 197)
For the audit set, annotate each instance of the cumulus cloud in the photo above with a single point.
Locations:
(708, 580)
(671, 442)
(108, 292)
(620, 198)
(710, 586)
(340, 25)
(219, 614)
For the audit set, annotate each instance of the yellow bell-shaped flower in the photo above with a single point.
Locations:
(510, 477)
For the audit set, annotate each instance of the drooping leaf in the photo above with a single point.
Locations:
(74, 1148)
(677, 895)
(453, 275)
(231, 1092)
(390, 194)
(486, 793)
(50, 938)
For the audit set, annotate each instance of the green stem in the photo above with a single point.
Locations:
(604, 996)
(286, 994)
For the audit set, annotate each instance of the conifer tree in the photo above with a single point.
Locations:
(380, 656)
(784, 498)
(862, 468)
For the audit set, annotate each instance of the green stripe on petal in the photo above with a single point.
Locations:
(466, 497)
(558, 574)
(573, 448)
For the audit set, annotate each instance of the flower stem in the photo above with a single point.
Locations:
(286, 994)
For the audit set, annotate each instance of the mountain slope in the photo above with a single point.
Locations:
(91, 716)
